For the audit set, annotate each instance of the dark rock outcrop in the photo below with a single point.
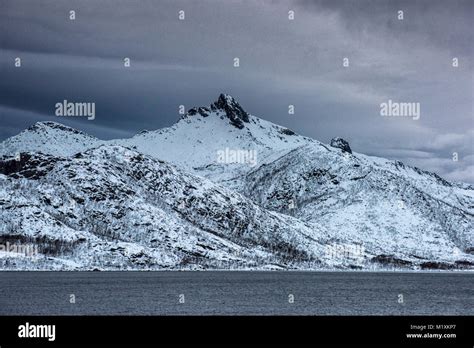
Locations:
(341, 144)
(203, 111)
(26, 165)
(232, 109)
(287, 131)
(227, 104)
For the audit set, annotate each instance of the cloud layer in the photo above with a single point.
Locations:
(282, 62)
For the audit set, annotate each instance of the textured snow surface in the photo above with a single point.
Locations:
(164, 199)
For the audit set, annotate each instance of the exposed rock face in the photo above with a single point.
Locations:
(26, 165)
(232, 109)
(224, 104)
(341, 144)
(203, 111)
(287, 131)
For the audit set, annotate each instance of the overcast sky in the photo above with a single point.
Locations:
(282, 62)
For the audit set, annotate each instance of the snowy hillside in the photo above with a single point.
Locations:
(50, 138)
(119, 208)
(195, 140)
(385, 206)
(223, 189)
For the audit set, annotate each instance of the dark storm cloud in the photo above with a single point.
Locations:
(282, 62)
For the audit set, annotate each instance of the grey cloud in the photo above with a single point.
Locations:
(300, 62)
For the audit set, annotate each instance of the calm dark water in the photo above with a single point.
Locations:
(227, 293)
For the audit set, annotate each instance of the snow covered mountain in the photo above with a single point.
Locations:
(386, 206)
(195, 141)
(49, 138)
(114, 207)
(223, 189)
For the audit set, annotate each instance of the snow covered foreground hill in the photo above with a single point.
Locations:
(223, 189)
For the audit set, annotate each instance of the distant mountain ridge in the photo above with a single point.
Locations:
(163, 199)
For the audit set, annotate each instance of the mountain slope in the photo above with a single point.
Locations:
(49, 138)
(388, 207)
(112, 207)
(193, 143)
(197, 139)
(235, 191)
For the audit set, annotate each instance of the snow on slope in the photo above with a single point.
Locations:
(301, 198)
(49, 138)
(112, 207)
(390, 208)
(195, 140)
(192, 143)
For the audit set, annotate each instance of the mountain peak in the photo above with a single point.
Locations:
(226, 104)
(44, 126)
(233, 110)
(225, 99)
